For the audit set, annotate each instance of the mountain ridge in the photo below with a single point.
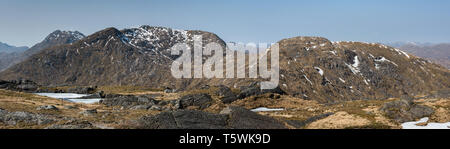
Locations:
(6, 48)
(109, 54)
(437, 53)
(312, 68)
(55, 38)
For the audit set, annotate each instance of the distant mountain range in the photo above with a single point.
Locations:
(5, 48)
(55, 38)
(437, 53)
(310, 67)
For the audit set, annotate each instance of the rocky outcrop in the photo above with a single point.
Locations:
(26, 118)
(234, 118)
(225, 93)
(255, 89)
(183, 119)
(47, 107)
(405, 111)
(201, 101)
(129, 101)
(19, 85)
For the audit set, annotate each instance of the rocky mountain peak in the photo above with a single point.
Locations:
(68, 36)
(151, 38)
(55, 38)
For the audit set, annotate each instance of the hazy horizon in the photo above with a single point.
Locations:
(26, 22)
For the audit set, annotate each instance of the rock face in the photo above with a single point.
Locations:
(54, 39)
(236, 118)
(405, 111)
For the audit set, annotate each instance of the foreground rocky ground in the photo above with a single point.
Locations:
(211, 107)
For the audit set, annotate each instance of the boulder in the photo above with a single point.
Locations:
(155, 108)
(405, 111)
(227, 96)
(128, 101)
(255, 89)
(169, 90)
(201, 101)
(47, 107)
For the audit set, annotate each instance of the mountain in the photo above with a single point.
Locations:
(318, 69)
(402, 43)
(5, 48)
(55, 38)
(312, 68)
(315, 68)
(437, 53)
(136, 56)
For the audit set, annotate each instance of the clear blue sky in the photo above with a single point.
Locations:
(26, 22)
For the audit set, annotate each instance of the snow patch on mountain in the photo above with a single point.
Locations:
(355, 66)
(155, 38)
(383, 59)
